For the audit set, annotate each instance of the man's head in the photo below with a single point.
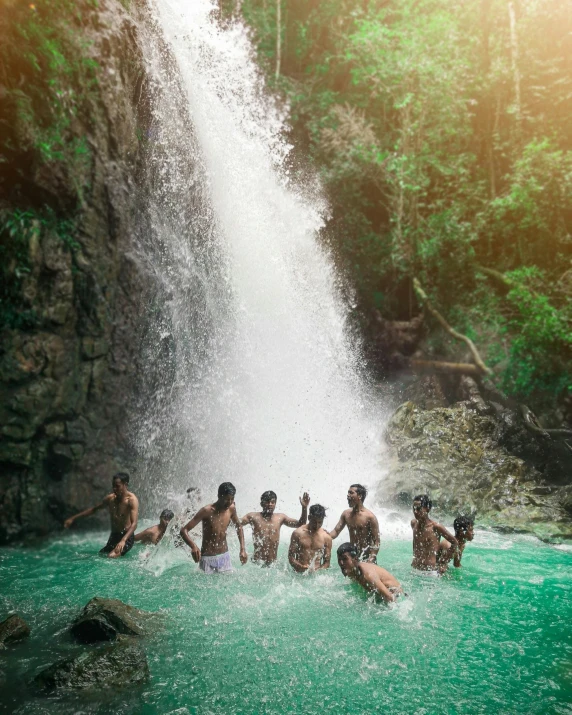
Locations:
(463, 526)
(226, 492)
(120, 483)
(356, 495)
(165, 518)
(421, 506)
(316, 516)
(268, 502)
(348, 558)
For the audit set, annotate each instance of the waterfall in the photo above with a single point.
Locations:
(254, 373)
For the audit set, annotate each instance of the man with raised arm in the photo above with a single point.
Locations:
(426, 536)
(213, 556)
(310, 545)
(362, 524)
(123, 511)
(154, 534)
(266, 526)
(369, 576)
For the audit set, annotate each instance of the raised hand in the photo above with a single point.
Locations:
(305, 499)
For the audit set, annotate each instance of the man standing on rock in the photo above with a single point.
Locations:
(310, 545)
(362, 524)
(266, 526)
(214, 556)
(123, 508)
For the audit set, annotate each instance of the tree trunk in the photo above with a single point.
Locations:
(515, 62)
(278, 36)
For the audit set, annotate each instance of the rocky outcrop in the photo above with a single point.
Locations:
(105, 619)
(70, 314)
(13, 629)
(121, 664)
(464, 456)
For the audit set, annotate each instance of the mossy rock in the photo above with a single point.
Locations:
(13, 629)
(105, 619)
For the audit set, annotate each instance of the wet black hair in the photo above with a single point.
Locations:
(361, 491)
(226, 488)
(425, 501)
(463, 523)
(318, 511)
(268, 496)
(122, 476)
(349, 549)
(166, 514)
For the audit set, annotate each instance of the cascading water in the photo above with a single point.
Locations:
(262, 383)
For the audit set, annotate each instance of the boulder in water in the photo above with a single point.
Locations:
(104, 619)
(13, 629)
(116, 665)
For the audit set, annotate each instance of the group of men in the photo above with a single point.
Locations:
(310, 545)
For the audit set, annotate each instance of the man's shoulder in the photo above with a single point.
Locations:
(132, 497)
(326, 536)
(369, 513)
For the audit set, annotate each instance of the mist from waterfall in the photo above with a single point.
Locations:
(256, 375)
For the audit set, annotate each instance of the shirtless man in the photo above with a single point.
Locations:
(266, 526)
(310, 545)
(369, 576)
(154, 534)
(123, 511)
(426, 536)
(362, 524)
(463, 526)
(213, 556)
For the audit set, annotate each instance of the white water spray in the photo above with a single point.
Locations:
(270, 395)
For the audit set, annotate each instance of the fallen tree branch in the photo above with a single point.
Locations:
(484, 370)
(451, 368)
(499, 277)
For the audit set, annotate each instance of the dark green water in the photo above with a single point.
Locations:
(494, 637)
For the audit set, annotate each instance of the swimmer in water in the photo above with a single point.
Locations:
(154, 534)
(213, 556)
(310, 545)
(123, 508)
(463, 526)
(369, 576)
(362, 524)
(266, 526)
(426, 536)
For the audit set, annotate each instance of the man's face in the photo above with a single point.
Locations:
(347, 563)
(227, 500)
(164, 522)
(268, 506)
(419, 512)
(353, 497)
(316, 522)
(118, 487)
(469, 535)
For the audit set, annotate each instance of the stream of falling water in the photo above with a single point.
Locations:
(268, 390)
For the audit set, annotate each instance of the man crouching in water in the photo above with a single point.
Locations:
(123, 511)
(266, 526)
(370, 576)
(214, 556)
(426, 537)
(154, 534)
(310, 545)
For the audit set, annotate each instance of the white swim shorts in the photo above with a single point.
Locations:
(220, 563)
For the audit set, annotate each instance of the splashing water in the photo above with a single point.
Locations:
(267, 389)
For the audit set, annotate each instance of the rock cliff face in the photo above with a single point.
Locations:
(71, 296)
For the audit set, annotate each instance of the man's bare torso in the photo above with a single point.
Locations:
(360, 527)
(265, 535)
(215, 524)
(311, 545)
(120, 511)
(367, 570)
(426, 542)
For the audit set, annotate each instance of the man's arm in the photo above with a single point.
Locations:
(145, 536)
(339, 527)
(293, 553)
(86, 512)
(292, 523)
(446, 535)
(240, 534)
(327, 555)
(376, 585)
(184, 532)
(374, 538)
(134, 516)
(246, 519)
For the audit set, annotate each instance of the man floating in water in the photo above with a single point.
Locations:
(463, 526)
(370, 576)
(310, 545)
(426, 536)
(266, 526)
(213, 556)
(123, 511)
(362, 524)
(154, 534)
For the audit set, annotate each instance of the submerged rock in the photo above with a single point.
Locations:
(117, 665)
(104, 619)
(454, 454)
(13, 629)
